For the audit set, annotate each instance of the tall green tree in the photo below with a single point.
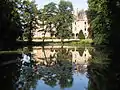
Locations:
(10, 25)
(99, 20)
(57, 17)
(104, 19)
(29, 14)
(47, 16)
(64, 19)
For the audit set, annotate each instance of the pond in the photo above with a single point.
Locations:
(46, 68)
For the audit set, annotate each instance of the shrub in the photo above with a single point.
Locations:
(81, 35)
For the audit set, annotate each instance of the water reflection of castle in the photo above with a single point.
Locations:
(48, 54)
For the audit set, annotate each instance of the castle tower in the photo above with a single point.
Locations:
(80, 23)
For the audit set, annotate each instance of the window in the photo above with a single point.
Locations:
(76, 34)
(72, 34)
(85, 22)
(75, 23)
(85, 29)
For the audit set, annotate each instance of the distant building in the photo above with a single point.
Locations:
(40, 31)
(80, 23)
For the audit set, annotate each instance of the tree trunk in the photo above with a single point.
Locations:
(45, 54)
(30, 33)
(62, 41)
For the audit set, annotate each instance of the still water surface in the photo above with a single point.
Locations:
(46, 68)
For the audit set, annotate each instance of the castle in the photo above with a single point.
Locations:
(80, 24)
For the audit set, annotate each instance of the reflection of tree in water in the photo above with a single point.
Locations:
(80, 68)
(9, 70)
(28, 77)
(80, 50)
(98, 71)
(104, 70)
(61, 72)
(114, 69)
(65, 64)
(16, 76)
(48, 60)
(50, 80)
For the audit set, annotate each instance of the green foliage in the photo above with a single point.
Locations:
(104, 21)
(99, 20)
(81, 50)
(29, 13)
(10, 26)
(47, 16)
(64, 19)
(57, 17)
(81, 35)
(81, 42)
(105, 24)
(18, 20)
(98, 70)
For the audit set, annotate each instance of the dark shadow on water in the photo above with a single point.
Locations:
(9, 71)
(104, 70)
(21, 71)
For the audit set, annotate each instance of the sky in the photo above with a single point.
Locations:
(80, 4)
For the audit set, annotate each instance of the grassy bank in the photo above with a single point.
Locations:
(83, 41)
(11, 52)
(21, 44)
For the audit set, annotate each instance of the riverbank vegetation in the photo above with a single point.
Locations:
(104, 21)
(83, 41)
(19, 19)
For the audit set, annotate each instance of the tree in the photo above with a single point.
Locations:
(65, 68)
(64, 19)
(18, 19)
(99, 20)
(81, 35)
(10, 25)
(104, 20)
(59, 18)
(89, 29)
(29, 14)
(47, 16)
